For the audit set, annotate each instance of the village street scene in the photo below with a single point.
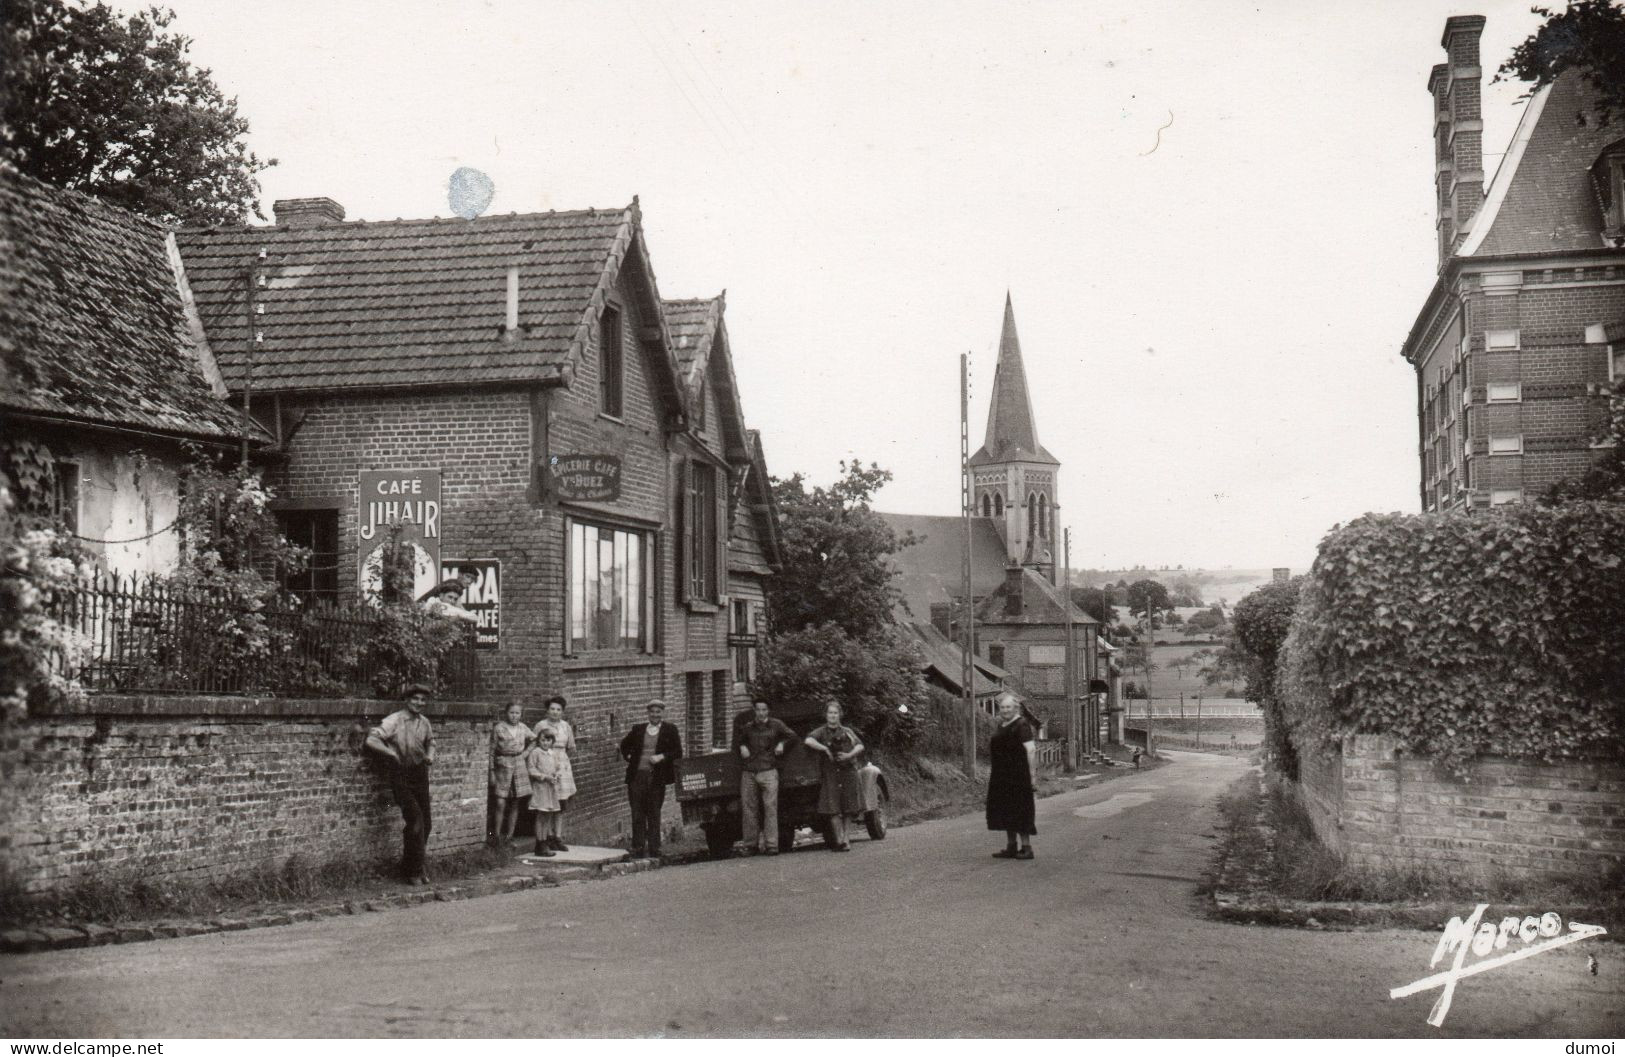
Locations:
(863, 522)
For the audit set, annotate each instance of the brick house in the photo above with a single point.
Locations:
(511, 387)
(111, 376)
(1021, 613)
(1524, 329)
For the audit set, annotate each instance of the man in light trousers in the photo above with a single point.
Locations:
(760, 742)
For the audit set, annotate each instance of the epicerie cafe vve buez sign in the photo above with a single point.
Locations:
(581, 477)
(411, 500)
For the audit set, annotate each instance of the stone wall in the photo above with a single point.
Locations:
(1378, 806)
(192, 788)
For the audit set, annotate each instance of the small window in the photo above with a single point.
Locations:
(995, 655)
(1500, 340)
(1616, 363)
(610, 364)
(741, 623)
(987, 505)
(1506, 445)
(318, 532)
(1502, 496)
(1043, 516)
(998, 505)
(65, 495)
(699, 407)
(611, 589)
(1504, 392)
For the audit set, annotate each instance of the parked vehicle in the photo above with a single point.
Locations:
(708, 793)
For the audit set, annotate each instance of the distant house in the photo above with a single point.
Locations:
(1524, 330)
(110, 374)
(1021, 613)
(513, 389)
(705, 358)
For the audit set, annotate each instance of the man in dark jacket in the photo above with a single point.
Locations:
(651, 751)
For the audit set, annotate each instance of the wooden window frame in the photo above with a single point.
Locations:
(611, 362)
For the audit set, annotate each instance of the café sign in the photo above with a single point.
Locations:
(483, 597)
(409, 499)
(583, 477)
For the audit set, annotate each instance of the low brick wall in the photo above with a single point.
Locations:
(1378, 806)
(198, 787)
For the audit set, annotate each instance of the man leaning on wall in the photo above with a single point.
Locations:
(406, 740)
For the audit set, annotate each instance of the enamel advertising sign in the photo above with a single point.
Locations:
(411, 500)
(483, 597)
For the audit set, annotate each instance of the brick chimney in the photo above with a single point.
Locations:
(306, 212)
(1014, 584)
(1458, 130)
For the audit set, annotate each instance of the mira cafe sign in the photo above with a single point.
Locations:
(483, 597)
(409, 499)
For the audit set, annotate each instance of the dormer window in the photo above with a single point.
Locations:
(1608, 180)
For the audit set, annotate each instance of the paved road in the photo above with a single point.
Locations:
(921, 935)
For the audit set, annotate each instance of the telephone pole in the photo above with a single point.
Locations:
(1072, 725)
(966, 503)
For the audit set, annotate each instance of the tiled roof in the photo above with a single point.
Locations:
(945, 659)
(1546, 202)
(94, 320)
(1011, 434)
(929, 571)
(408, 302)
(1041, 603)
(693, 323)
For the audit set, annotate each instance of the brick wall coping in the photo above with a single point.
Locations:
(259, 707)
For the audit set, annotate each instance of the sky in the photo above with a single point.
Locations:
(1215, 220)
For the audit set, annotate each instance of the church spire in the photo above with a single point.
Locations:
(1012, 435)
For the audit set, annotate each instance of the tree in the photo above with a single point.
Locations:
(1590, 37)
(1147, 596)
(113, 108)
(834, 547)
(1092, 600)
(1259, 628)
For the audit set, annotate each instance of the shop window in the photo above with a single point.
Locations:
(318, 532)
(611, 590)
(611, 364)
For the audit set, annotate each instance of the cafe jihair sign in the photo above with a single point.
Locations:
(409, 499)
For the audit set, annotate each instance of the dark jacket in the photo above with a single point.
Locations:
(668, 744)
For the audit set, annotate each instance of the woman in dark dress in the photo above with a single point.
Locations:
(841, 793)
(1012, 780)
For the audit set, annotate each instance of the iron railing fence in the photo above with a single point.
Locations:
(148, 635)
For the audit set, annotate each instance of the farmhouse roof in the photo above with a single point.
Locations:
(929, 570)
(418, 302)
(94, 319)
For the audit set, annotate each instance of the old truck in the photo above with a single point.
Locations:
(708, 793)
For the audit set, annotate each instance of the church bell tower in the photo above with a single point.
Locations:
(1013, 479)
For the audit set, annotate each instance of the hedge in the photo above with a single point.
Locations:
(1500, 632)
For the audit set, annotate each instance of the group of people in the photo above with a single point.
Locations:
(536, 763)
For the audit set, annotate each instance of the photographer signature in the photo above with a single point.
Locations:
(1484, 937)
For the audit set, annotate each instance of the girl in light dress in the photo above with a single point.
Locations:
(565, 737)
(551, 783)
(510, 784)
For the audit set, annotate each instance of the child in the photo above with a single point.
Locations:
(509, 782)
(551, 783)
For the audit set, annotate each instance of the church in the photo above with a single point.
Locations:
(1020, 607)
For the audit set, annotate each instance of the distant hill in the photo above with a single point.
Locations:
(1214, 585)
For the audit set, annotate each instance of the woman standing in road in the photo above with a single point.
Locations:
(510, 784)
(841, 793)
(1012, 780)
(564, 737)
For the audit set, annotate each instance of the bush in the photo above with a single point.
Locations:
(802, 670)
(1465, 634)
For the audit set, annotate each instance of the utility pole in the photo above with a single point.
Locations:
(1150, 706)
(966, 503)
(1072, 724)
(250, 280)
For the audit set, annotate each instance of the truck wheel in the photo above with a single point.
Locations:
(875, 822)
(718, 840)
(787, 837)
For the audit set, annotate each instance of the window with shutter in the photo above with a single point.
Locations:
(611, 364)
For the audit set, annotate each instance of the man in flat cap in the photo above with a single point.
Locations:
(405, 738)
(651, 751)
